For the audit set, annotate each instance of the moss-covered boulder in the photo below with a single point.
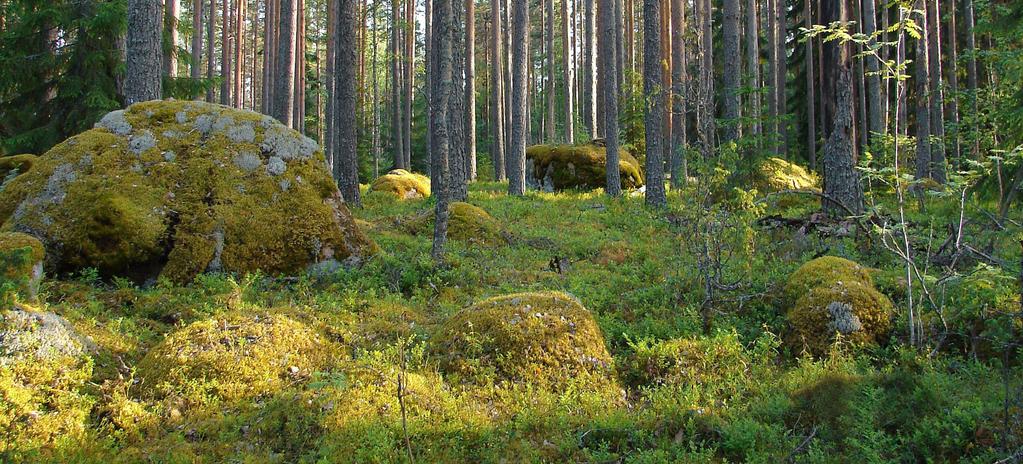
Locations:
(236, 356)
(546, 339)
(21, 264)
(179, 188)
(13, 166)
(853, 310)
(28, 334)
(559, 167)
(466, 223)
(403, 184)
(824, 271)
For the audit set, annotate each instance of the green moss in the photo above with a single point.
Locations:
(539, 338)
(827, 400)
(560, 167)
(235, 357)
(21, 264)
(775, 174)
(857, 311)
(180, 188)
(18, 164)
(720, 360)
(403, 184)
(823, 271)
(466, 223)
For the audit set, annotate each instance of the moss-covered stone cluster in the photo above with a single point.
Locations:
(403, 184)
(833, 297)
(466, 223)
(544, 338)
(560, 167)
(179, 188)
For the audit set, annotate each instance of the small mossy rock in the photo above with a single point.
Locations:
(236, 356)
(546, 339)
(43, 372)
(21, 263)
(466, 223)
(857, 312)
(403, 184)
(775, 175)
(14, 166)
(824, 271)
(558, 167)
(719, 360)
(179, 188)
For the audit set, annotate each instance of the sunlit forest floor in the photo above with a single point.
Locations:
(700, 373)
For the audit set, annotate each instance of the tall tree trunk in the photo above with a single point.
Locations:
(226, 54)
(347, 170)
(329, 120)
(442, 35)
(142, 80)
(284, 94)
(619, 40)
(781, 36)
(195, 69)
(170, 20)
(550, 125)
(753, 65)
(211, 23)
(731, 70)
(497, 147)
(705, 109)
(771, 74)
(811, 91)
(397, 85)
(456, 186)
(937, 105)
(608, 26)
(630, 35)
(842, 189)
(679, 94)
(239, 48)
(270, 22)
(971, 75)
(874, 111)
(568, 71)
(470, 89)
(300, 67)
(520, 125)
(376, 97)
(589, 86)
(654, 107)
(923, 113)
(952, 51)
(410, 73)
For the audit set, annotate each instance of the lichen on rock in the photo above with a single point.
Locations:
(403, 184)
(231, 187)
(851, 309)
(558, 167)
(546, 339)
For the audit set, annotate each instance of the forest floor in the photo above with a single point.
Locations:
(696, 377)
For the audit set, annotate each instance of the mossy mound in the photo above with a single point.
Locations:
(689, 361)
(28, 334)
(403, 184)
(466, 223)
(824, 271)
(776, 174)
(559, 167)
(539, 338)
(179, 188)
(236, 357)
(21, 263)
(857, 312)
(13, 166)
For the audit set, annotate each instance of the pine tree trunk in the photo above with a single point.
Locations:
(520, 123)
(330, 82)
(971, 75)
(753, 64)
(239, 56)
(346, 171)
(706, 104)
(410, 73)
(470, 89)
(781, 36)
(630, 35)
(376, 98)
(937, 105)
(195, 69)
(608, 26)
(225, 54)
(679, 94)
(457, 187)
(731, 70)
(876, 115)
(397, 105)
(443, 70)
(811, 91)
(952, 101)
(211, 22)
(497, 147)
(549, 127)
(842, 191)
(654, 107)
(568, 71)
(923, 113)
(143, 80)
(619, 40)
(300, 68)
(284, 94)
(589, 86)
(771, 75)
(170, 20)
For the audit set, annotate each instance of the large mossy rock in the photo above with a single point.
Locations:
(559, 167)
(236, 357)
(179, 188)
(855, 311)
(824, 272)
(403, 184)
(21, 264)
(776, 175)
(466, 223)
(546, 339)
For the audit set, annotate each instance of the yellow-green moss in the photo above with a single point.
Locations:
(467, 223)
(824, 271)
(721, 360)
(776, 174)
(235, 357)
(403, 184)
(539, 338)
(179, 188)
(856, 311)
(21, 260)
(21, 163)
(559, 167)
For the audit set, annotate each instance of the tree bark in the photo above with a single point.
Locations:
(239, 56)
(142, 80)
(654, 107)
(470, 89)
(410, 74)
(589, 93)
(705, 110)
(771, 75)
(497, 147)
(170, 24)
(568, 70)
(971, 74)
(781, 36)
(753, 65)
(550, 125)
(842, 191)
(608, 26)
(456, 186)
(875, 114)
(937, 105)
(923, 114)
(811, 91)
(284, 95)
(679, 94)
(195, 69)
(731, 70)
(442, 92)
(226, 55)
(211, 22)
(346, 171)
(520, 125)
(397, 85)
(952, 51)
